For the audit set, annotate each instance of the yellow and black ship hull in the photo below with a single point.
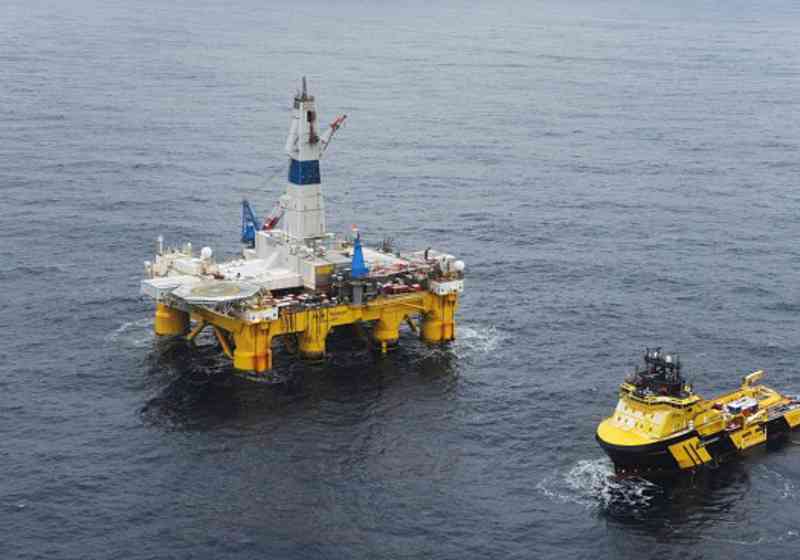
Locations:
(661, 426)
(650, 458)
(691, 451)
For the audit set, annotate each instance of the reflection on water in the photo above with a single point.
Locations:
(197, 388)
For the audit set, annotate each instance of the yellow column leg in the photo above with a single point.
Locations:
(439, 324)
(311, 342)
(253, 350)
(170, 321)
(387, 329)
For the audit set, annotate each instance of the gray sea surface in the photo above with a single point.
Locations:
(615, 173)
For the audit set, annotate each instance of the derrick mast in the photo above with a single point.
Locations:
(303, 202)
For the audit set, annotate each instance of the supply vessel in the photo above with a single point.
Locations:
(296, 282)
(661, 426)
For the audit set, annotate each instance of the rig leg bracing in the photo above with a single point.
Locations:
(249, 344)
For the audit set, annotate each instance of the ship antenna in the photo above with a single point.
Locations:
(304, 87)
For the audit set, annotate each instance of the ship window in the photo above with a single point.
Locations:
(311, 116)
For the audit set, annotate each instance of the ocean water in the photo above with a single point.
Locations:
(615, 173)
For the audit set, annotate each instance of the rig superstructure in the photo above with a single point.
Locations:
(661, 425)
(298, 282)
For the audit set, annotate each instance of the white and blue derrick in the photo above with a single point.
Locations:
(304, 172)
(302, 207)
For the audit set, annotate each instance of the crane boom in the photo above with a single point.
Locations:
(250, 224)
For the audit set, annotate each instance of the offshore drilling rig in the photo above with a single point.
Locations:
(294, 280)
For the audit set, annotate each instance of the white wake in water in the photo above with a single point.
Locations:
(593, 484)
(137, 333)
(476, 340)
(784, 487)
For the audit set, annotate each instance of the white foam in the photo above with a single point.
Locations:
(785, 487)
(593, 484)
(137, 333)
(482, 339)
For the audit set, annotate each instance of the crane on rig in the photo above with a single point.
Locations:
(251, 224)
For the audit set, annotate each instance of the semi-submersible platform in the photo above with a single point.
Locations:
(296, 281)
